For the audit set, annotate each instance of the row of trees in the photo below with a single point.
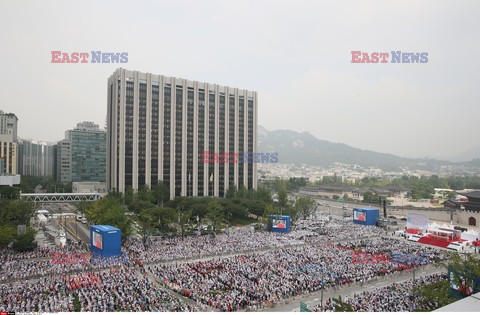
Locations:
(28, 184)
(14, 213)
(291, 184)
(150, 212)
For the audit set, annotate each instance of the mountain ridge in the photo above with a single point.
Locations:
(304, 148)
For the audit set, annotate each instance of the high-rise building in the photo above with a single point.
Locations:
(63, 161)
(8, 125)
(81, 156)
(35, 158)
(8, 143)
(158, 127)
(8, 155)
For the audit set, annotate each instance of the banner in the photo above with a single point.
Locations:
(418, 221)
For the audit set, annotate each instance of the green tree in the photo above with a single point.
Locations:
(15, 212)
(264, 195)
(7, 192)
(305, 207)
(269, 211)
(7, 235)
(109, 211)
(231, 192)
(242, 191)
(129, 196)
(82, 206)
(77, 307)
(183, 220)
(166, 217)
(215, 215)
(147, 223)
(433, 296)
(161, 193)
(465, 272)
(283, 202)
(341, 306)
(370, 197)
(24, 243)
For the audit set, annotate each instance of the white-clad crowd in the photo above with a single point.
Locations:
(260, 279)
(266, 268)
(397, 297)
(158, 249)
(119, 289)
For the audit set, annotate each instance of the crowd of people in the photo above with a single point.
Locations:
(397, 297)
(254, 280)
(158, 249)
(117, 289)
(266, 268)
(47, 262)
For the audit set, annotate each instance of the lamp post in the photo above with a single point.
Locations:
(321, 296)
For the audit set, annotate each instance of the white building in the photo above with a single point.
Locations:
(158, 127)
(35, 158)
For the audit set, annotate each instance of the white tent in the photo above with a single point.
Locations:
(41, 218)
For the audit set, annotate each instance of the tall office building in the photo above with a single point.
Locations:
(63, 161)
(8, 155)
(158, 127)
(8, 125)
(35, 158)
(81, 156)
(8, 143)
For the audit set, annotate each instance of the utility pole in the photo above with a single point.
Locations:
(323, 284)
(321, 297)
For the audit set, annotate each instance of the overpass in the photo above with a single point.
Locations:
(61, 197)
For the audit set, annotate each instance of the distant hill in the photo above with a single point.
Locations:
(303, 148)
(471, 154)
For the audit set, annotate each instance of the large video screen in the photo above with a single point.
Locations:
(97, 240)
(359, 216)
(279, 224)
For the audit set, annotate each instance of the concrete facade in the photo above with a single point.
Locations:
(63, 161)
(8, 155)
(35, 158)
(8, 125)
(158, 127)
(81, 156)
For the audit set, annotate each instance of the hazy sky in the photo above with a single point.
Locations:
(296, 54)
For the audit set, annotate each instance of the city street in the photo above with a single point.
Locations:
(64, 216)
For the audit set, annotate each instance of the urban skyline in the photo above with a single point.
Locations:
(394, 108)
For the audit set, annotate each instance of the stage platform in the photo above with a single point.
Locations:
(436, 241)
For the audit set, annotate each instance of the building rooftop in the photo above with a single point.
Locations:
(472, 194)
(469, 304)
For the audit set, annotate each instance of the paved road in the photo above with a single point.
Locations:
(75, 230)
